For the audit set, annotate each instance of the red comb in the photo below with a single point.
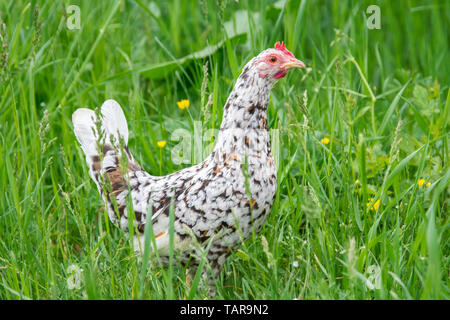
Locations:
(282, 47)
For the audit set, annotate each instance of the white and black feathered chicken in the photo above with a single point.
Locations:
(211, 199)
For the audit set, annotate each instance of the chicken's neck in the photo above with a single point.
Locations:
(245, 112)
(246, 106)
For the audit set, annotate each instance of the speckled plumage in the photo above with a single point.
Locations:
(211, 200)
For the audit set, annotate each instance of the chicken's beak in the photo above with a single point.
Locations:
(293, 63)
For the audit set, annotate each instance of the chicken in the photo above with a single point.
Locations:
(216, 202)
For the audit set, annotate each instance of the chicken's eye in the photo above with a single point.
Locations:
(273, 59)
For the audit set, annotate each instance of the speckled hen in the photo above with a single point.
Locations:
(217, 201)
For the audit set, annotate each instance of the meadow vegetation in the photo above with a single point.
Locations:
(362, 205)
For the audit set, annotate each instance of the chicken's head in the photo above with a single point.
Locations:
(276, 62)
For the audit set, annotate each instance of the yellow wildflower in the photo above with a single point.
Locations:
(421, 182)
(325, 140)
(183, 104)
(375, 206)
(428, 184)
(161, 144)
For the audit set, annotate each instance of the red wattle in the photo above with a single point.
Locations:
(280, 74)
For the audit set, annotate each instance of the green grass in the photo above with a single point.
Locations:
(380, 96)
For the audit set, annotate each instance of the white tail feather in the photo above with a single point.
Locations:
(85, 130)
(113, 123)
(108, 165)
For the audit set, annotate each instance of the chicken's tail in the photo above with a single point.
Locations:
(104, 153)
